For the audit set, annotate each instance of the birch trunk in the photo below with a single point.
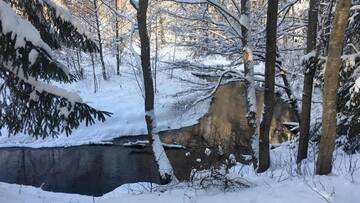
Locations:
(249, 75)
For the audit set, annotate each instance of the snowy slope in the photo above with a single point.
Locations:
(280, 184)
(336, 189)
(175, 100)
(122, 96)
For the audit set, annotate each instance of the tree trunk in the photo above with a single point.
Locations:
(94, 73)
(162, 30)
(333, 64)
(165, 168)
(292, 99)
(103, 68)
(118, 60)
(156, 53)
(270, 63)
(310, 68)
(81, 69)
(249, 75)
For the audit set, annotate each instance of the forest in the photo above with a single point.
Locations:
(187, 101)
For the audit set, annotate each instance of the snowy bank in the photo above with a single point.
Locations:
(122, 96)
(279, 185)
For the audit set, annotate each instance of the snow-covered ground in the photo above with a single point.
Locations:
(122, 96)
(280, 184)
(175, 101)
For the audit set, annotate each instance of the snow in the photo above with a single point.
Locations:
(24, 32)
(279, 184)
(232, 158)
(335, 188)
(308, 56)
(357, 85)
(173, 110)
(11, 23)
(291, 123)
(220, 150)
(135, 3)
(143, 143)
(161, 159)
(44, 87)
(207, 152)
(64, 111)
(34, 96)
(65, 15)
(164, 166)
(355, 7)
(245, 21)
(33, 56)
(122, 96)
(11, 193)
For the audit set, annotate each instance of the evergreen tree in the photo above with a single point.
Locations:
(349, 94)
(29, 31)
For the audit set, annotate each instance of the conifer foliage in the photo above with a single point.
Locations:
(348, 93)
(29, 31)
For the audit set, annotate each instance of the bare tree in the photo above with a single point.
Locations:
(98, 32)
(165, 169)
(118, 60)
(310, 68)
(270, 63)
(331, 78)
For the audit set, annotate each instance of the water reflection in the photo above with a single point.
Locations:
(90, 170)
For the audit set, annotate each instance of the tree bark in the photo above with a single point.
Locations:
(165, 168)
(118, 60)
(249, 75)
(270, 63)
(81, 69)
(94, 73)
(292, 100)
(162, 30)
(103, 68)
(310, 68)
(333, 64)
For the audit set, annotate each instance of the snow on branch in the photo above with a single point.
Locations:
(33, 56)
(242, 21)
(55, 24)
(38, 109)
(11, 23)
(135, 3)
(144, 143)
(43, 87)
(214, 89)
(355, 7)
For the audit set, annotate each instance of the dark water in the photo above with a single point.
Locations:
(95, 169)
(90, 170)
